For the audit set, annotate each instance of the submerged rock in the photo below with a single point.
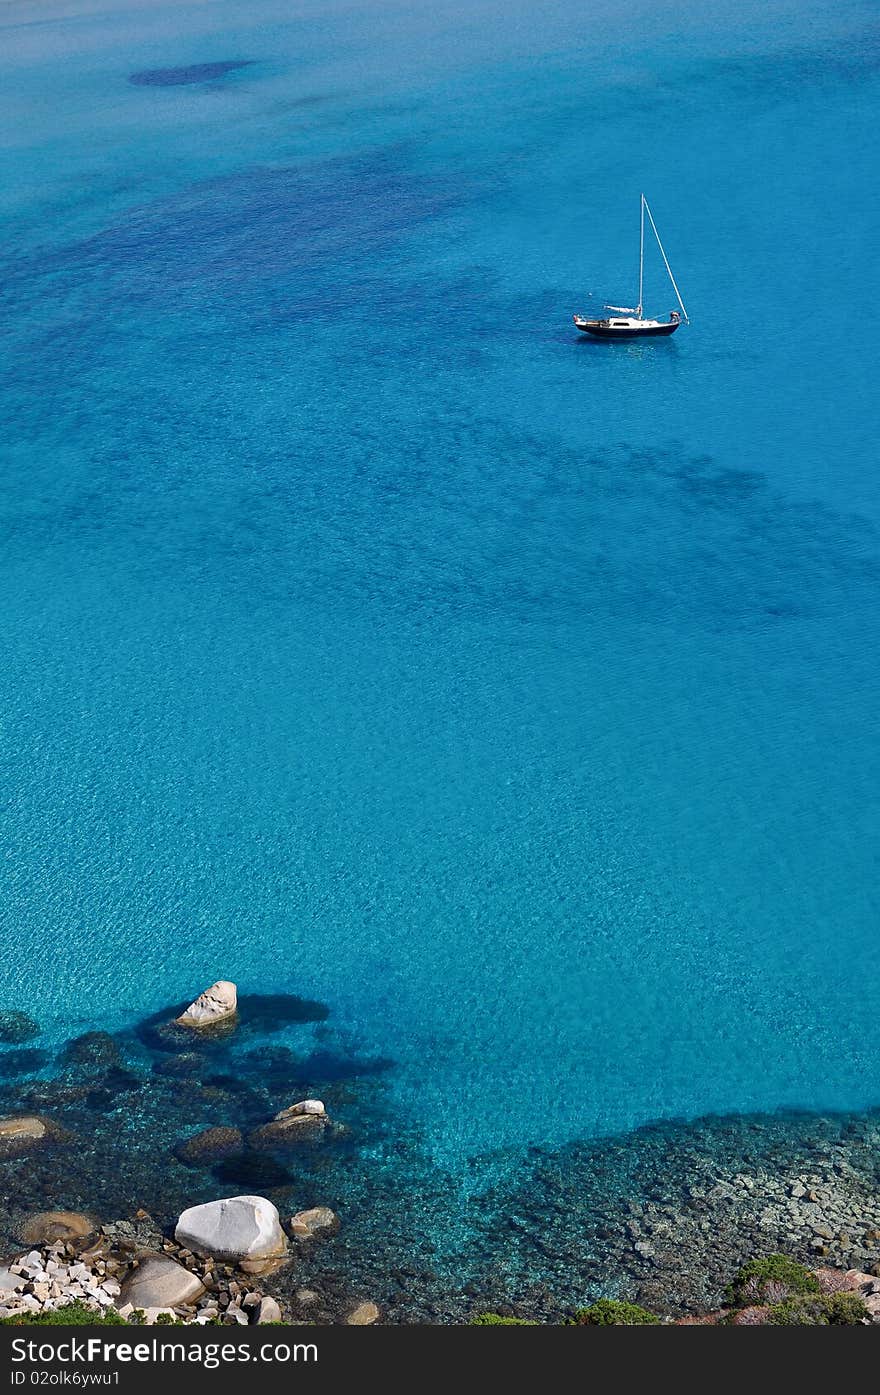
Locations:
(120, 1080)
(16, 1027)
(52, 1094)
(314, 1224)
(22, 1133)
(211, 1145)
(362, 1315)
(46, 1226)
(185, 1066)
(287, 1133)
(217, 1004)
(92, 1050)
(303, 1122)
(160, 1282)
(26, 1061)
(235, 1228)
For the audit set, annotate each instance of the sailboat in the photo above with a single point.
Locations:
(628, 322)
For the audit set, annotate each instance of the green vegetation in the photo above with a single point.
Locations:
(770, 1280)
(611, 1312)
(822, 1310)
(496, 1320)
(71, 1315)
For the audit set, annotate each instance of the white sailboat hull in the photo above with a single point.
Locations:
(626, 329)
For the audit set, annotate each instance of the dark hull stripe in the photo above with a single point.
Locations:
(599, 332)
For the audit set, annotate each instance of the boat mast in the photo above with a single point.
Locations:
(641, 255)
(663, 255)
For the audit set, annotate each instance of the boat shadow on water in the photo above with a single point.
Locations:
(629, 348)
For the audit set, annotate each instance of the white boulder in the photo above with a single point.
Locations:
(216, 1004)
(236, 1228)
(302, 1107)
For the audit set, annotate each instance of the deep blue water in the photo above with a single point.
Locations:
(365, 634)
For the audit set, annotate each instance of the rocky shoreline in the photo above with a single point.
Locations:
(197, 1106)
(131, 1269)
(129, 1272)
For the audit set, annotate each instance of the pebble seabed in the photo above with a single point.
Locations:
(662, 1215)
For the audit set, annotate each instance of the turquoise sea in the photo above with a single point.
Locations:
(370, 636)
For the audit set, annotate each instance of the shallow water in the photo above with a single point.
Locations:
(369, 637)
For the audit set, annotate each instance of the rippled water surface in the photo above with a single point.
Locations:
(368, 636)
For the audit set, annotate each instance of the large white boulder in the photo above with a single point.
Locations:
(160, 1282)
(216, 1004)
(236, 1228)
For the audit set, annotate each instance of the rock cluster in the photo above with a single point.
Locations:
(665, 1217)
(810, 1214)
(210, 1145)
(114, 1272)
(53, 1276)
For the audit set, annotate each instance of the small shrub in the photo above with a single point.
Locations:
(770, 1280)
(822, 1310)
(748, 1317)
(496, 1320)
(70, 1315)
(612, 1312)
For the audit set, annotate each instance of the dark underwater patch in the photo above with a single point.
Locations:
(95, 1050)
(276, 1067)
(271, 1012)
(121, 1081)
(24, 1062)
(160, 1033)
(229, 1084)
(326, 1067)
(187, 1066)
(251, 1169)
(192, 73)
(17, 1027)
